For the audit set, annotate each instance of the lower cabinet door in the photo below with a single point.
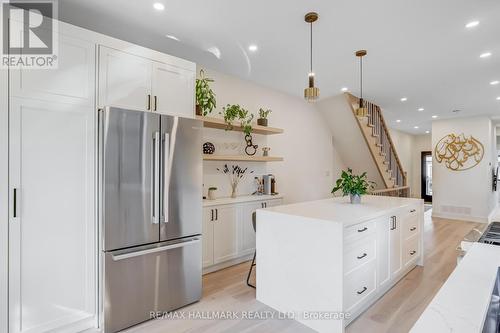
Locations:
(247, 234)
(225, 234)
(395, 241)
(384, 251)
(208, 237)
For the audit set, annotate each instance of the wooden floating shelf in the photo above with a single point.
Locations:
(207, 157)
(220, 124)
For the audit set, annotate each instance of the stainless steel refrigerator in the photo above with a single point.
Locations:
(151, 190)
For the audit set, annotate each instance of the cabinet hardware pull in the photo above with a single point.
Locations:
(413, 228)
(364, 229)
(413, 252)
(362, 291)
(212, 214)
(155, 103)
(362, 256)
(15, 203)
(413, 211)
(216, 214)
(149, 102)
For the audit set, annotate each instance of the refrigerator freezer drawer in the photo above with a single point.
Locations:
(161, 277)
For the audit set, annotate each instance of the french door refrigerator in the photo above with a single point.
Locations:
(151, 211)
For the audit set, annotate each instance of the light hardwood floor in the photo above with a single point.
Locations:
(396, 311)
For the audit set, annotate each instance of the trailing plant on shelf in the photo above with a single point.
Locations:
(235, 112)
(263, 114)
(205, 97)
(353, 185)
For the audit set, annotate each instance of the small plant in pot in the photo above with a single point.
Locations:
(353, 185)
(235, 112)
(263, 114)
(205, 97)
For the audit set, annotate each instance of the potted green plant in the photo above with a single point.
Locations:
(211, 193)
(353, 185)
(205, 97)
(235, 112)
(263, 114)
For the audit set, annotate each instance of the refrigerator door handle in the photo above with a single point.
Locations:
(166, 177)
(156, 176)
(133, 254)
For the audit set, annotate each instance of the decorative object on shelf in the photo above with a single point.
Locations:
(205, 97)
(208, 148)
(311, 93)
(236, 174)
(235, 112)
(265, 151)
(362, 110)
(250, 149)
(353, 185)
(494, 176)
(459, 153)
(263, 114)
(211, 193)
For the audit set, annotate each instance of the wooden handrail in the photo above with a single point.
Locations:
(385, 190)
(401, 191)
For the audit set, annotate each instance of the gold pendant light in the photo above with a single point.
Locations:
(311, 93)
(361, 111)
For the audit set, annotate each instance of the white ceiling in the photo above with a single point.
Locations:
(416, 49)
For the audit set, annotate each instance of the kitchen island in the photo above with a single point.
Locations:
(325, 262)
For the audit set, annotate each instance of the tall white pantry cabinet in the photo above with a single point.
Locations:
(50, 269)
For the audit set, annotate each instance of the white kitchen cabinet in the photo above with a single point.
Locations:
(134, 82)
(124, 80)
(173, 90)
(384, 251)
(225, 234)
(247, 234)
(52, 247)
(208, 237)
(395, 245)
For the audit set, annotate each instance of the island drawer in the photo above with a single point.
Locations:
(359, 253)
(359, 230)
(359, 284)
(411, 249)
(411, 226)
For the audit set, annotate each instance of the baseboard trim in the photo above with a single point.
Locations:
(226, 264)
(459, 217)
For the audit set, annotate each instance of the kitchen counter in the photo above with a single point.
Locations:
(325, 262)
(340, 209)
(462, 302)
(241, 199)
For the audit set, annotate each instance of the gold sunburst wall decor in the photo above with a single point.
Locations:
(458, 152)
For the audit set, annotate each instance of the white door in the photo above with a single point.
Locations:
(124, 80)
(208, 236)
(247, 234)
(395, 241)
(225, 234)
(384, 233)
(173, 90)
(52, 248)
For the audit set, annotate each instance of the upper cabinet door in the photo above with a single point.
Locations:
(173, 90)
(72, 82)
(124, 80)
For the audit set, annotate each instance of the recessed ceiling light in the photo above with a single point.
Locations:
(404, 99)
(158, 6)
(172, 37)
(398, 121)
(252, 48)
(415, 127)
(427, 132)
(344, 89)
(434, 117)
(485, 55)
(420, 109)
(494, 83)
(498, 98)
(472, 24)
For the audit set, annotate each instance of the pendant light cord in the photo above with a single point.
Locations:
(311, 48)
(361, 76)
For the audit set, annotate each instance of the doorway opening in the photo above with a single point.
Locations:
(426, 171)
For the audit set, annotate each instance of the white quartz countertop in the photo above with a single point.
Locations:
(242, 199)
(341, 210)
(462, 302)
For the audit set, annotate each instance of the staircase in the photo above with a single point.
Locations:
(378, 155)
(380, 144)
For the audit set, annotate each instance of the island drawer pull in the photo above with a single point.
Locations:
(362, 291)
(362, 256)
(364, 229)
(413, 211)
(413, 228)
(413, 252)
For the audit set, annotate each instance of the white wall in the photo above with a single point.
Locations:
(465, 195)
(4, 211)
(310, 164)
